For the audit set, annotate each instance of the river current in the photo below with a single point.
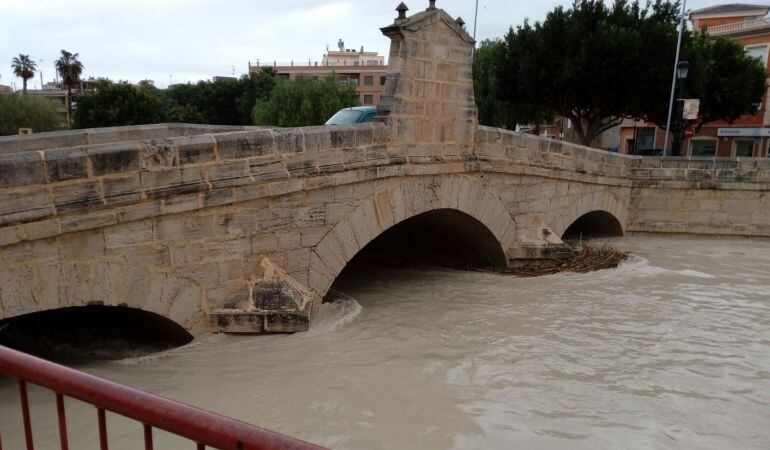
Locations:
(671, 350)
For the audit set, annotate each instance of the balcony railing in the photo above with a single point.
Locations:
(314, 63)
(729, 28)
(203, 428)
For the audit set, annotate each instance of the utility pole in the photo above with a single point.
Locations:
(41, 74)
(673, 78)
(475, 22)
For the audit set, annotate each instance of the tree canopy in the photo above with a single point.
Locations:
(24, 67)
(121, 104)
(221, 102)
(596, 65)
(69, 68)
(18, 111)
(304, 101)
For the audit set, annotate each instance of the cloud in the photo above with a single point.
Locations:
(197, 39)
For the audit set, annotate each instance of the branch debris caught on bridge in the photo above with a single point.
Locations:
(585, 257)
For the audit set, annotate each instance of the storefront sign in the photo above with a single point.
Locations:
(743, 132)
(690, 108)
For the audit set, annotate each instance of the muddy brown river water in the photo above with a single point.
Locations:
(669, 351)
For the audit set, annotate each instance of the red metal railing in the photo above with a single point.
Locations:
(204, 428)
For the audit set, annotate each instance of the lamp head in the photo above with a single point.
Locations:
(682, 69)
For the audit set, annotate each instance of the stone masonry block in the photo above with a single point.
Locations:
(77, 196)
(317, 139)
(343, 136)
(131, 233)
(158, 154)
(24, 206)
(243, 144)
(289, 140)
(172, 182)
(113, 158)
(195, 149)
(66, 164)
(228, 173)
(267, 169)
(122, 189)
(19, 169)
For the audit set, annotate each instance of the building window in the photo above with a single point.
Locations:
(743, 148)
(368, 80)
(644, 141)
(354, 81)
(355, 63)
(368, 99)
(372, 62)
(344, 81)
(382, 81)
(703, 147)
(759, 52)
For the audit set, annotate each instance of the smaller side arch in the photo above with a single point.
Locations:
(594, 224)
(610, 206)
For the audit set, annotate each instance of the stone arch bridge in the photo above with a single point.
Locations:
(244, 229)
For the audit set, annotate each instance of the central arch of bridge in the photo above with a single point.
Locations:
(444, 220)
(442, 237)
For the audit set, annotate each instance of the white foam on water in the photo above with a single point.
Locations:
(184, 350)
(637, 267)
(341, 310)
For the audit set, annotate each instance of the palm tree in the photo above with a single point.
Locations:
(69, 68)
(24, 68)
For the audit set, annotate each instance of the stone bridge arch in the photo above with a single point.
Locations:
(600, 208)
(396, 204)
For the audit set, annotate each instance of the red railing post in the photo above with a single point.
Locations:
(62, 422)
(147, 437)
(25, 414)
(102, 429)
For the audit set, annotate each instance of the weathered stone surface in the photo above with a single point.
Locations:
(77, 196)
(113, 158)
(244, 144)
(66, 164)
(19, 169)
(172, 182)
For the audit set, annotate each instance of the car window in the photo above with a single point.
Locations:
(370, 116)
(344, 117)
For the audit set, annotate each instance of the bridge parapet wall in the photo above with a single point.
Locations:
(46, 193)
(90, 136)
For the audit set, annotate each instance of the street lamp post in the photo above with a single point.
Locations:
(674, 76)
(682, 69)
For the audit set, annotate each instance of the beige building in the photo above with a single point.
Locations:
(362, 70)
(351, 57)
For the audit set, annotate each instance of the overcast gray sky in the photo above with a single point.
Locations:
(190, 40)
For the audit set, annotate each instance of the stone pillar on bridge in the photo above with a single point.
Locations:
(428, 101)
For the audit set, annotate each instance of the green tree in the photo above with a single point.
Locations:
(253, 86)
(597, 65)
(491, 94)
(24, 68)
(118, 104)
(221, 102)
(728, 83)
(69, 69)
(27, 112)
(304, 101)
